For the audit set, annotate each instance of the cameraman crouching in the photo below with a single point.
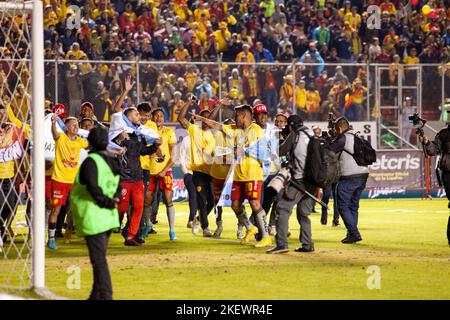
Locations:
(295, 149)
(352, 181)
(441, 146)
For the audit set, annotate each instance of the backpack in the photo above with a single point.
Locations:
(363, 154)
(321, 164)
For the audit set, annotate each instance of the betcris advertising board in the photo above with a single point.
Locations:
(395, 174)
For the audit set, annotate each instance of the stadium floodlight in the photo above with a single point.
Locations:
(15, 258)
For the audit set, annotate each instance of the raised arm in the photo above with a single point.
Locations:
(432, 148)
(211, 123)
(182, 116)
(127, 88)
(55, 132)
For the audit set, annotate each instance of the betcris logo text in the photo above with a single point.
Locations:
(393, 162)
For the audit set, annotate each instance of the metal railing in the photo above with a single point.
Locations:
(250, 81)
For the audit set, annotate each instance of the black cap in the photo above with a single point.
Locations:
(98, 138)
(204, 111)
(295, 121)
(243, 107)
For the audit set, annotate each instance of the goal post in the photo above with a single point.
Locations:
(38, 158)
(22, 257)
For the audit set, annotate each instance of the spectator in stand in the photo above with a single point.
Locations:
(267, 82)
(321, 35)
(279, 13)
(175, 106)
(312, 103)
(145, 20)
(315, 56)
(344, 47)
(288, 55)
(75, 52)
(182, 88)
(300, 45)
(332, 57)
(158, 45)
(204, 87)
(245, 53)
(354, 110)
(427, 56)
(300, 94)
(391, 40)
(269, 6)
(211, 49)
(74, 89)
(262, 54)
(353, 18)
(141, 34)
(235, 81)
(284, 107)
(339, 75)
(204, 102)
(320, 82)
(412, 58)
(446, 37)
(181, 53)
(250, 87)
(387, 6)
(222, 36)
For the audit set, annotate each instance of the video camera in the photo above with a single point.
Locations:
(418, 123)
(331, 133)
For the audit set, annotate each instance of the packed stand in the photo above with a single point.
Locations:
(311, 32)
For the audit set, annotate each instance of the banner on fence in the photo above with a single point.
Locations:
(395, 174)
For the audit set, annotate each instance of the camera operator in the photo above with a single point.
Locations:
(295, 149)
(352, 181)
(441, 146)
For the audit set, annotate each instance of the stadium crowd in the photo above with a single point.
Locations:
(270, 33)
(276, 32)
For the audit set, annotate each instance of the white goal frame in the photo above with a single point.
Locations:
(38, 159)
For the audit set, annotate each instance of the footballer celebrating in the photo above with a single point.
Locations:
(161, 172)
(65, 169)
(248, 171)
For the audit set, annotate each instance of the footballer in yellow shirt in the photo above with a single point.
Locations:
(65, 168)
(161, 171)
(202, 147)
(248, 172)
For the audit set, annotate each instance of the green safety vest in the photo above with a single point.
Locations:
(444, 114)
(88, 217)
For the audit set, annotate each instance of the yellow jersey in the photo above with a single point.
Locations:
(222, 44)
(411, 60)
(221, 163)
(7, 170)
(145, 160)
(168, 138)
(202, 147)
(248, 168)
(67, 157)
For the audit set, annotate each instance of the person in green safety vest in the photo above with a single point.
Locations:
(445, 110)
(94, 198)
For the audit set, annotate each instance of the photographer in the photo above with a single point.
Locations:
(352, 181)
(295, 148)
(441, 146)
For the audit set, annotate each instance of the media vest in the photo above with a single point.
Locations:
(89, 218)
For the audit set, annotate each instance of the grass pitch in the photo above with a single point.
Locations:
(406, 239)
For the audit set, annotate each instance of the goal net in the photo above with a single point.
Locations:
(15, 145)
